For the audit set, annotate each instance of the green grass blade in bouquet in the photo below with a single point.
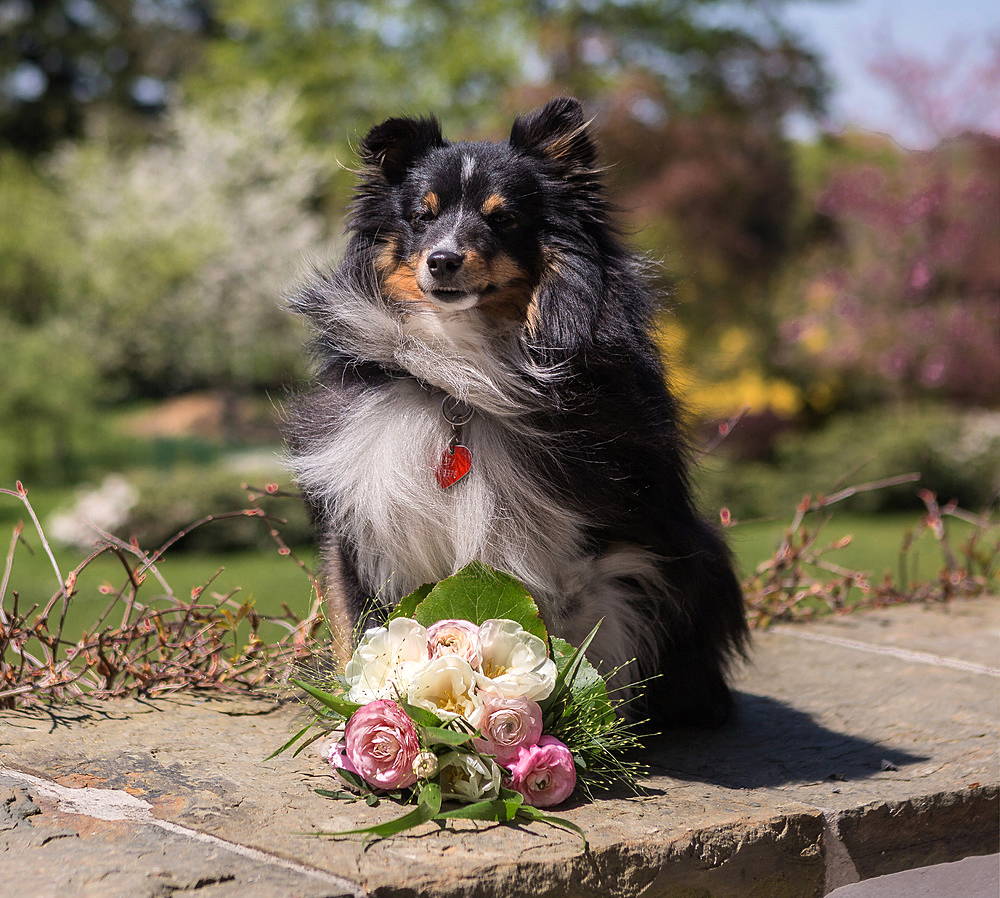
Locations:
(428, 807)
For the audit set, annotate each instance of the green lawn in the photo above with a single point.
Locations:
(270, 579)
(875, 545)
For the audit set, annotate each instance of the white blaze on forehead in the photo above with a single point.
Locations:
(468, 166)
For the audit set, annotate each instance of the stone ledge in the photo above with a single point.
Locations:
(845, 762)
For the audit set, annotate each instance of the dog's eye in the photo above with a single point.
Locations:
(502, 219)
(422, 216)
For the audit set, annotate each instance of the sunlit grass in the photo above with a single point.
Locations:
(876, 544)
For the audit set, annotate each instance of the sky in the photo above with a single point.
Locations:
(851, 34)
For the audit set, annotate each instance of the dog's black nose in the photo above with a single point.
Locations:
(443, 262)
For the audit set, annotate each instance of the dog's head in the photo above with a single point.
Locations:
(457, 226)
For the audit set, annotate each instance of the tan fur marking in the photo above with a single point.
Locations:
(512, 297)
(559, 147)
(385, 261)
(532, 315)
(399, 278)
(494, 203)
(432, 202)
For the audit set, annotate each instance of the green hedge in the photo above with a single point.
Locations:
(957, 455)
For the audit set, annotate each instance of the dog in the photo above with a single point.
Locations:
(488, 389)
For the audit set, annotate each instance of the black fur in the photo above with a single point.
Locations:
(600, 435)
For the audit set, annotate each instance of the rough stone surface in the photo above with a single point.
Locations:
(845, 762)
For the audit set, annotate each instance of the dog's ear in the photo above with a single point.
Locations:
(559, 132)
(398, 143)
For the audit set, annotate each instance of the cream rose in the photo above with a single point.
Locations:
(446, 686)
(385, 660)
(515, 663)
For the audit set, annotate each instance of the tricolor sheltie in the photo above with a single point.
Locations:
(489, 390)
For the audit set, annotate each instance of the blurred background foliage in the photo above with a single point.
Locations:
(168, 167)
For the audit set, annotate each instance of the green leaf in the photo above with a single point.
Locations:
(499, 810)
(577, 681)
(336, 703)
(356, 780)
(448, 737)
(428, 807)
(336, 794)
(479, 593)
(420, 716)
(408, 604)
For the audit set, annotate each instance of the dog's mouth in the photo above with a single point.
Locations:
(458, 297)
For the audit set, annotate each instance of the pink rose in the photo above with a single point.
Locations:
(454, 637)
(544, 773)
(382, 744)
(508, 725)
(338, 760)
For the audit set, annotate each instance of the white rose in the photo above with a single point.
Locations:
(468, 777)
(385, 660)
(447, 686)
(515, 663)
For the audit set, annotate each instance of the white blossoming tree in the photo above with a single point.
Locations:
(186, 245)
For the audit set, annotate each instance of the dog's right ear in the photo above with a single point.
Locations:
(398, 143)
(557, 132)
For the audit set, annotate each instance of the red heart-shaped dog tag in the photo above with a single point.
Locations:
(454, 465)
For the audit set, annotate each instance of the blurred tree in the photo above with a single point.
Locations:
(734, 59)
(900, 296)
(33, 242)
(188, 243)
(46, 403)
(694, 96)
(478, 62)
(904, 301)
(65, 62)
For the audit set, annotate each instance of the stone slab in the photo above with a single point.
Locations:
(973, 877)
(857, 751)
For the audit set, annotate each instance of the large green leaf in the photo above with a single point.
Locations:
(479, 593)
(408, 604)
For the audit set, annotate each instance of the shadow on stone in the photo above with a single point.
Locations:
(770, 743)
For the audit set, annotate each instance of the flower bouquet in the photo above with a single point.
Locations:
(464, 697)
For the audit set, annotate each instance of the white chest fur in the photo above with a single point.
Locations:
(376, 474)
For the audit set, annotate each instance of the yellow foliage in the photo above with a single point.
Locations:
(721, 397)
(747, 389)
(815, 338)
(734, 342)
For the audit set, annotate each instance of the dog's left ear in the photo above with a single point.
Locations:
(558, 132)
(397, 144)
